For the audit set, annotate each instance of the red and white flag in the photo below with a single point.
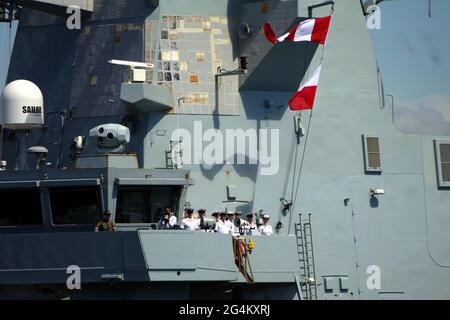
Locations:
(305, 96)
(314, 30)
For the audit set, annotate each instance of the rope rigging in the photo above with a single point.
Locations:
(296, 179)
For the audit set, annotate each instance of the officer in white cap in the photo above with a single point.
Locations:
(230, 220)
(265, 229)
(250, 222)
(222, 226)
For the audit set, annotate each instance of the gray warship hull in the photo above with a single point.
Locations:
(334, 233)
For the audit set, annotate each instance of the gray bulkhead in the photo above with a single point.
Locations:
(404, 232)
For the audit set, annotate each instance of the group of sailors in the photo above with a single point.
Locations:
(224, 222)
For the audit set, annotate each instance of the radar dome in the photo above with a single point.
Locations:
(22, 106)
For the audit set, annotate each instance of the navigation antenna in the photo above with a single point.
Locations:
(9, 11)
(22, 110)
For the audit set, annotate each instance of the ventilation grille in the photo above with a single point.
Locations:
(372, 154)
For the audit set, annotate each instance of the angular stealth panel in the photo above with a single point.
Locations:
(147, 97)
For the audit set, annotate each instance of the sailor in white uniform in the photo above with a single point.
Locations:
(249, 225)
(265, 229)
(230, 220)
(189, 223)
(222, 226)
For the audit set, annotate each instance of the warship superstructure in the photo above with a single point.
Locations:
(184, 103)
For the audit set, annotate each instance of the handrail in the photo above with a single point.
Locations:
(326, 3)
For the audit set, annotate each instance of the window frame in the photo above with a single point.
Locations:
(54, 185)
(368, 168)
(437, 151)
(20, 186)
(147, 192)
(147, 188)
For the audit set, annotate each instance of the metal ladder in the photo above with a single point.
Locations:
(305, 251)
(172, 154)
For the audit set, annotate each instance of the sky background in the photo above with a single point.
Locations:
(413, 52)
(7, 33)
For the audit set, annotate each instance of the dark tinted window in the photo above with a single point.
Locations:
(445, 162)
(75, 205)
(20, 207)
(144, 205)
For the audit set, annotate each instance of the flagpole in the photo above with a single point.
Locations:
(294, 200)
(300, 116)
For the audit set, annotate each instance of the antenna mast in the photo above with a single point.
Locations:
(9, 11)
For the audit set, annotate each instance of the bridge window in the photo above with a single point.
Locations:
(443, 162)
(20, 207)
(138, 205)
(372, 154)
(80, 205)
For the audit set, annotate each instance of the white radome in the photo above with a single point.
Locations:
(22, 106)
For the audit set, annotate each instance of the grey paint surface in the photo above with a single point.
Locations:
(406, 233)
